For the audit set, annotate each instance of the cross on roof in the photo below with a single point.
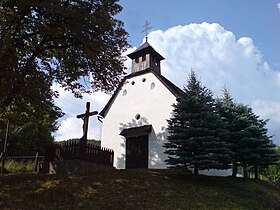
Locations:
(146, 27)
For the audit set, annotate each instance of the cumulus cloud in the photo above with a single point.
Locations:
(218, 57)
(269, 110)
(278, 5)
(70, 126)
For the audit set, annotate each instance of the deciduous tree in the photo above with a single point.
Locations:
(272, 172)
(31, 119)
(47, 41)
(60, 41)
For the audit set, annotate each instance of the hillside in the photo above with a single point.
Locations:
(136, 189)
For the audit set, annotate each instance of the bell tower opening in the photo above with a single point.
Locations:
(145, 58)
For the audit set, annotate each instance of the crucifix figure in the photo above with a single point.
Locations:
(147, 27)
(85, 118)
(83, 140)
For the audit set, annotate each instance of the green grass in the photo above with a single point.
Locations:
(135, 189)
(19, 167)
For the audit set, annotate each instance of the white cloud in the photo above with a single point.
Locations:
(218, 58)
(269, 110)
(70, 126)
(278, 5)
(73, 106)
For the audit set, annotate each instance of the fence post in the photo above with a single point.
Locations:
(82, 149)
(2, 163)
(36, 161)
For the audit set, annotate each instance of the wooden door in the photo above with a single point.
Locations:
(137, 152)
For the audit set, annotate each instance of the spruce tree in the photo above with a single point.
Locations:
(196, 131)
(228, 110)
(247, 136)
(261, 153)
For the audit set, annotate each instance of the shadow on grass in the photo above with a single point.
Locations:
(135, 189)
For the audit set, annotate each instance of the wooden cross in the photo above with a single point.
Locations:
(147, 27)
(85, 118)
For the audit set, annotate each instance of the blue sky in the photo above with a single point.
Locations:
(258, 19)
(230, 43)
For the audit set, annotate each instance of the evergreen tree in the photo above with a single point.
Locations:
(228, 110)
(247, 136)
(262, 151)
(196, 131)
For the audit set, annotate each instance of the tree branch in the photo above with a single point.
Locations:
(26, 36)
(16, 88)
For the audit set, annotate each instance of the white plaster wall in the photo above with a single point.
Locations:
(154, 107)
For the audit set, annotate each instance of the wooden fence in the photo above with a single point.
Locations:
(36, 159)
(76, 150)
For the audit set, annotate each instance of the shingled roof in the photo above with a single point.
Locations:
(176, 91)
(144, 49)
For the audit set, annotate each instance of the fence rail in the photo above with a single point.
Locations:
(37, 159)
(21, 157)
(76, 150)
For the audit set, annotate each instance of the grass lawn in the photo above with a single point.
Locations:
(135, 189)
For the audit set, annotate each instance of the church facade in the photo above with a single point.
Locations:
(135, 118)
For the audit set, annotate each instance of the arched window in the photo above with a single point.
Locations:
(124, 92)
(153, 85)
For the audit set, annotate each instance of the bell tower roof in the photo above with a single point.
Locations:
(145, 57)
(144, 49)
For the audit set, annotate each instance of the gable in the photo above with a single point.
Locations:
(172, 88)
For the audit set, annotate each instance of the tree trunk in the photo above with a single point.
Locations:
(256, 170)
(234, 168)
(245, 172)
(196, 170)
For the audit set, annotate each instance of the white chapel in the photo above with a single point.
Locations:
(135, 118)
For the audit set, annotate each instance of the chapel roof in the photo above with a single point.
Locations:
(176, 91)
(144, 49)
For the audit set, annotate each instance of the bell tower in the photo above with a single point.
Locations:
(145, 58)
